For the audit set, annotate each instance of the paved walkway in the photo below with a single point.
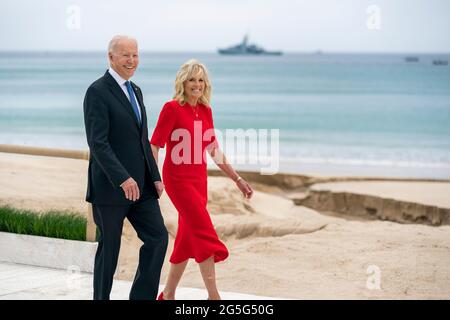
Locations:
(25, 282)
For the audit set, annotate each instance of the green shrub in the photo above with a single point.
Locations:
(53, 224)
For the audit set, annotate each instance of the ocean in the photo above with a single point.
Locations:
(337, 114)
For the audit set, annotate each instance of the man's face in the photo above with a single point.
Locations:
(125, 59)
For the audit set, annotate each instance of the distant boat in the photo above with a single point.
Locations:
(440, 62)
(411, 59)
(244, 48)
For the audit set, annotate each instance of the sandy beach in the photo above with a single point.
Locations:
(277, 248)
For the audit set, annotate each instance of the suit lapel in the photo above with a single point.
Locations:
(120, 95)
(138, 94)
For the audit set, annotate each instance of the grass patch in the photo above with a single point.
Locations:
(53, 224)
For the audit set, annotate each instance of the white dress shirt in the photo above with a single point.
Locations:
(121, 81)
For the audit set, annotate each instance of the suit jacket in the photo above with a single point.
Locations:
(119, 146)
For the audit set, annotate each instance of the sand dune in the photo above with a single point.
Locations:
(429, 193)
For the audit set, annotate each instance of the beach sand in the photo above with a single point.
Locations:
(276, 248)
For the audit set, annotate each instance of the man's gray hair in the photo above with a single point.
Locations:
(115, 40)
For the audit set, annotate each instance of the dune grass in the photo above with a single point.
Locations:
(53, 224)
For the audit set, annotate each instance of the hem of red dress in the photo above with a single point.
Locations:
(218, 257)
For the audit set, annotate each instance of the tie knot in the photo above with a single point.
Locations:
(128, 83)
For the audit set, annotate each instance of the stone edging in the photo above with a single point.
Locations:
(47, 252)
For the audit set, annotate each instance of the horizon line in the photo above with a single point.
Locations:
(315, 52)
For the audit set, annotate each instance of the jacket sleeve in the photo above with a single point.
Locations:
(96, 121)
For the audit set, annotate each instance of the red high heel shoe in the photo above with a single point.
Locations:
(161, 296)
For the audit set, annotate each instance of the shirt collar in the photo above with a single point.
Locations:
(121, 81)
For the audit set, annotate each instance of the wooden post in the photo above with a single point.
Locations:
(90, 226)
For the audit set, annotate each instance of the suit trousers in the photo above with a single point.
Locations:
(145, 217)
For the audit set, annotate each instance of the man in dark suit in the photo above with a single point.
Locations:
(123, 177)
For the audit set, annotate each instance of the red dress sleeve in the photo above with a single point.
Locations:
(214, 143)
(164, 126)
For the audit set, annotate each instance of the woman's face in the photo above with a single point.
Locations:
(194, 86)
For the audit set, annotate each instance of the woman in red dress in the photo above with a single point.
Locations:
(186, 126)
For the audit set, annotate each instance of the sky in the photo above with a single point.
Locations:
(205, 25)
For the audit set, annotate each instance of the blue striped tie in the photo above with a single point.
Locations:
(133, 101)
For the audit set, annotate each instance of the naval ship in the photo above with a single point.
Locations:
(244, 48)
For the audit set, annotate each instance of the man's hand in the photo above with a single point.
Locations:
(159, 187)
(131, 189)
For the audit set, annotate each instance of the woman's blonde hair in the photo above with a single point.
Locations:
(187, 70)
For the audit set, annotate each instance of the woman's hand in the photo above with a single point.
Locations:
(245, 188)
(219, 158)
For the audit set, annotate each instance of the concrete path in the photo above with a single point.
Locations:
(25, 282)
